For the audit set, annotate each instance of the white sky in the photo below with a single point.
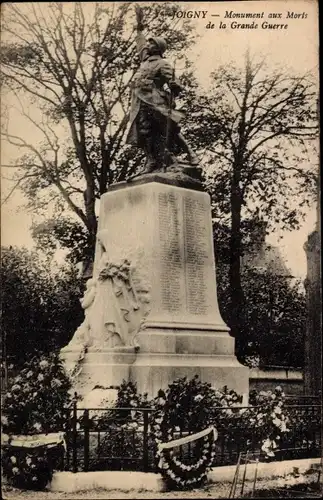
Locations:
(295, 48)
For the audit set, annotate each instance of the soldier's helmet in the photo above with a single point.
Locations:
(160, 42)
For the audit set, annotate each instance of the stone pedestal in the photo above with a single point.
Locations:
(165, 231)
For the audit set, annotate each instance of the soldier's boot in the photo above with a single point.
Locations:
(192, 157)
(151, 160)
(171, 162)
(165, 158)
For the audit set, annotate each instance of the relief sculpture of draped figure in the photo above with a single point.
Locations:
(118, 315)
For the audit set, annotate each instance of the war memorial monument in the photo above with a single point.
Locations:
(151, 308)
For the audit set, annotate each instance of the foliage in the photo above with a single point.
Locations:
(36, 401)
(192, 406)
(305, 423)
(75, 63)
(40, 306)
(256, 127)
(275, 316)
(121, 447)
(258, 130)
(63, 233)
(127, 403)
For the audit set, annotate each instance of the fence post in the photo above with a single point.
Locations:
(86, 440)
(67, 436)
(74, 437)
(145, 442)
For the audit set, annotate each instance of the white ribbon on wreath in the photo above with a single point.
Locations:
(188, 439)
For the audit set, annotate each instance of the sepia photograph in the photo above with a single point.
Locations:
(161, 331)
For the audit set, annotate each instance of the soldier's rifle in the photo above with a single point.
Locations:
(169, 121)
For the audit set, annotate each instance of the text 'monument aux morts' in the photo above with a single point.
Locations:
(244, 20)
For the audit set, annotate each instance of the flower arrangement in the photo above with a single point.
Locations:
(34, 404)
(270, 418)
(185, 409)
(128, 396)
(24, 470)
(191, 406)
(37, 399)
(30, 468)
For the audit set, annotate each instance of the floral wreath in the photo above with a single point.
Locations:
(112, 270)
(175, 470)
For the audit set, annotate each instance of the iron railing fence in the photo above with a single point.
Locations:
(299, 399)
(121, 438)
(108, 439)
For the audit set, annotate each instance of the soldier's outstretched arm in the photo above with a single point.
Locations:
(141, 41)
(140, 18)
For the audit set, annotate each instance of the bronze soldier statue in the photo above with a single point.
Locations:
(154, 121)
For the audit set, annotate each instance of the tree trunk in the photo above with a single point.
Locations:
(105, 162)
(237, 305)
(89, 202)
(236, 293)
(89, 192)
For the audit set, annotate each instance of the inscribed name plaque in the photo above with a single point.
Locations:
(185, 258)
(196, 255)
(171, 259)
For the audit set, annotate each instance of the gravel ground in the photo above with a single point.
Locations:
(215, 491)
(218, 490)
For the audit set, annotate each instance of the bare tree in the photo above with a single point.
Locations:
(76, 63)
(259, 129)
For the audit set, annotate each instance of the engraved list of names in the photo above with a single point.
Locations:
(171, 261)
(185, 270)
(196, 256)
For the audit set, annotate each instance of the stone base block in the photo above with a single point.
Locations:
(185, 341)
(103, 369)
(153, 371)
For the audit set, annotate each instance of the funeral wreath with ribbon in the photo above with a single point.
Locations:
(178, 467)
